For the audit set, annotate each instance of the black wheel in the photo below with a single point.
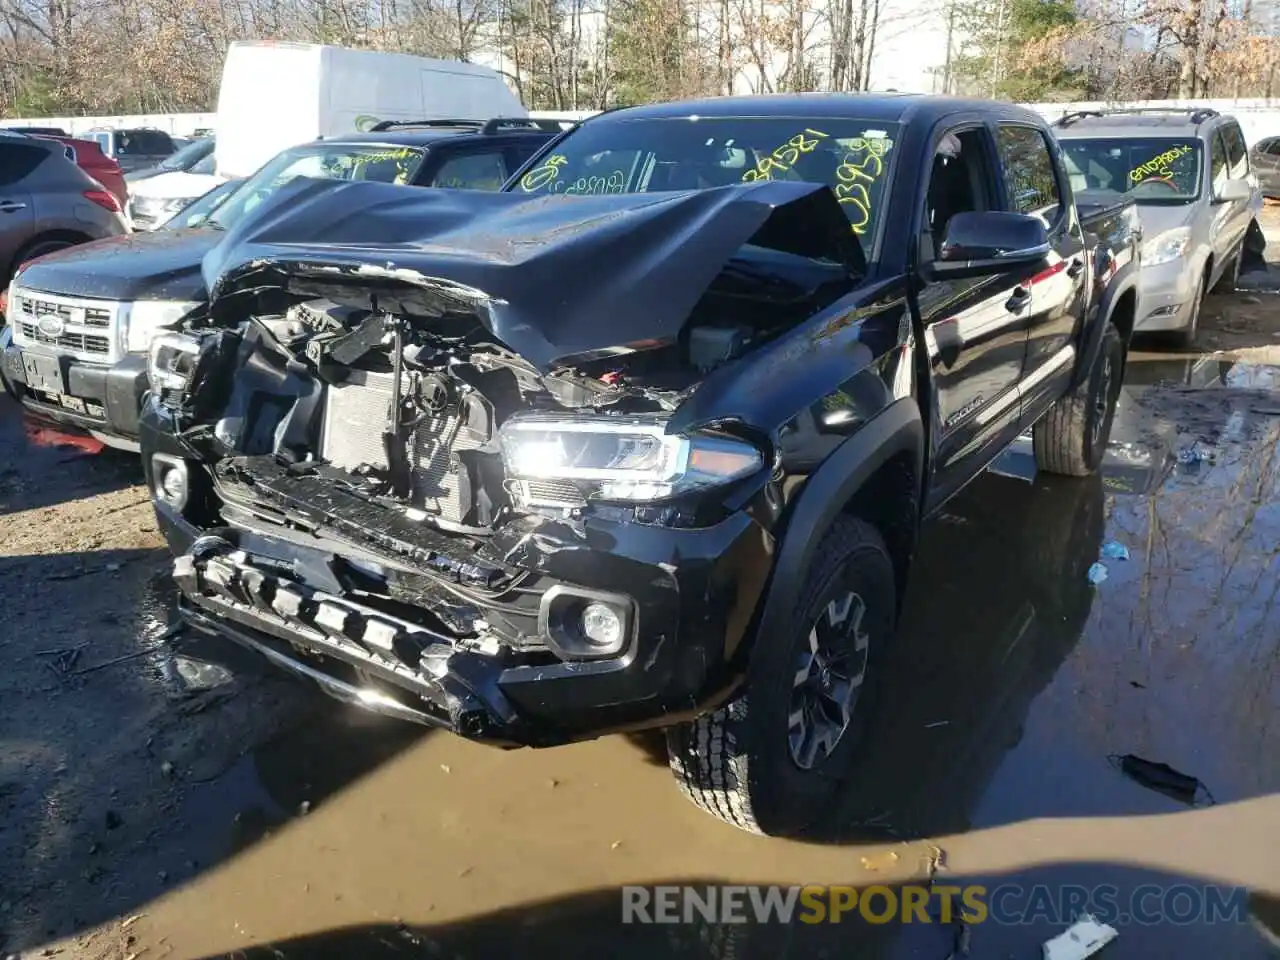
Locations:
(23, 257)
(1186, 337)
(773, 760)
(1231, 275)
(1072, 437)
(39, 249)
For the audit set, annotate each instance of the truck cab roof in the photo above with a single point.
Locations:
(889, 107)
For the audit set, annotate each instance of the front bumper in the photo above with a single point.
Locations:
(1167, 294)
(103, 400)
(693, 594)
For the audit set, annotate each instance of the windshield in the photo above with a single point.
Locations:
(1149, 169)
(188, 155)
(641, 156)
(198, 211)
(324, 161)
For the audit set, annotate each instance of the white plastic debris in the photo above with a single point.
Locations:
(1097, 573)
(1082, 939)
(1115, 551)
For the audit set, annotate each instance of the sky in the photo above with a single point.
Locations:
(911, 47)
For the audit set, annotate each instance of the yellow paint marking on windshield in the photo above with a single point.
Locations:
(1158, 166)
(541, 176)
(852, 177)
(592, 186)
(784, 157)
(338, 167)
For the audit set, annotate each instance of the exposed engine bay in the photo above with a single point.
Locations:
(460, 445)
(409, 409)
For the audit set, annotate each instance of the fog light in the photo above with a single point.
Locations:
(174, 487)
(169, 474)
(601, 625)
(581, 624)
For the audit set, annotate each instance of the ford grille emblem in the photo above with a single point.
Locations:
(51, 326)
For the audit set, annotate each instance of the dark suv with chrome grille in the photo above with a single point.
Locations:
(102, 304)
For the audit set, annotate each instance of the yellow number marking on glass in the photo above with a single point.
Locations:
(1158, 166)
(539, 177)
(785, 156)
(853, 175)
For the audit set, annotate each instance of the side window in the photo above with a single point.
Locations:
(1272, 147)
(1237, 155)
(518, 153)
(19, 160)
(959, 182)
(1030, 177)
(144, 142)
(1219, 170)
(471, 171)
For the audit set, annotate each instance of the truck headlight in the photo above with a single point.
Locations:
(141, 320)
(171, 363)
(1166, 246)
(622, 459)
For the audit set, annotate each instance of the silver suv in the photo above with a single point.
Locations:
(1188, 172)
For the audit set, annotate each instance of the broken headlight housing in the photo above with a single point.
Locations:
(629, 459)
(171, 364)
(141, 320)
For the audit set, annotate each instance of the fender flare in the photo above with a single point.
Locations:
(1125, 280)
(897, 429)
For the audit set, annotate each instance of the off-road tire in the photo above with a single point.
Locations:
(1065, 440)
(735, 763)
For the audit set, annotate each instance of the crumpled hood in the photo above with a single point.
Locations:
(551, 277)
(164, 265)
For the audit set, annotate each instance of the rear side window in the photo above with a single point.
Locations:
(1031, 182)
(1237, 154)
(519, 153)
(18, 161)
(472, 171)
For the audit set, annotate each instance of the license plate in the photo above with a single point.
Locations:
(43, 373)
(72, 403)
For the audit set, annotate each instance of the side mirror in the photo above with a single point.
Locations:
(1233, 191)
(978, 244)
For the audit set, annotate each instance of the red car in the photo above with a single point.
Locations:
(89, 157)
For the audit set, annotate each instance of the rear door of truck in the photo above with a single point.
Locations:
(1036, 184)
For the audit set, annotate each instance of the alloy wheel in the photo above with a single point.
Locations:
(829, 675)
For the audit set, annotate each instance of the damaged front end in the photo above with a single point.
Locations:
(442, 506)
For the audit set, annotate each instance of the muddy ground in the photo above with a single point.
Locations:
(162, 796)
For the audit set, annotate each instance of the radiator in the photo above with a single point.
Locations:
(355, 416)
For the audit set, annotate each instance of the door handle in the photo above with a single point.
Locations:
(1075, 268)
(11, 206)
(1020, 298)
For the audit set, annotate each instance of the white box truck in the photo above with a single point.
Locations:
(276, 95)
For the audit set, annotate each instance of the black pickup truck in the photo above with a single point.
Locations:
(645, 439)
